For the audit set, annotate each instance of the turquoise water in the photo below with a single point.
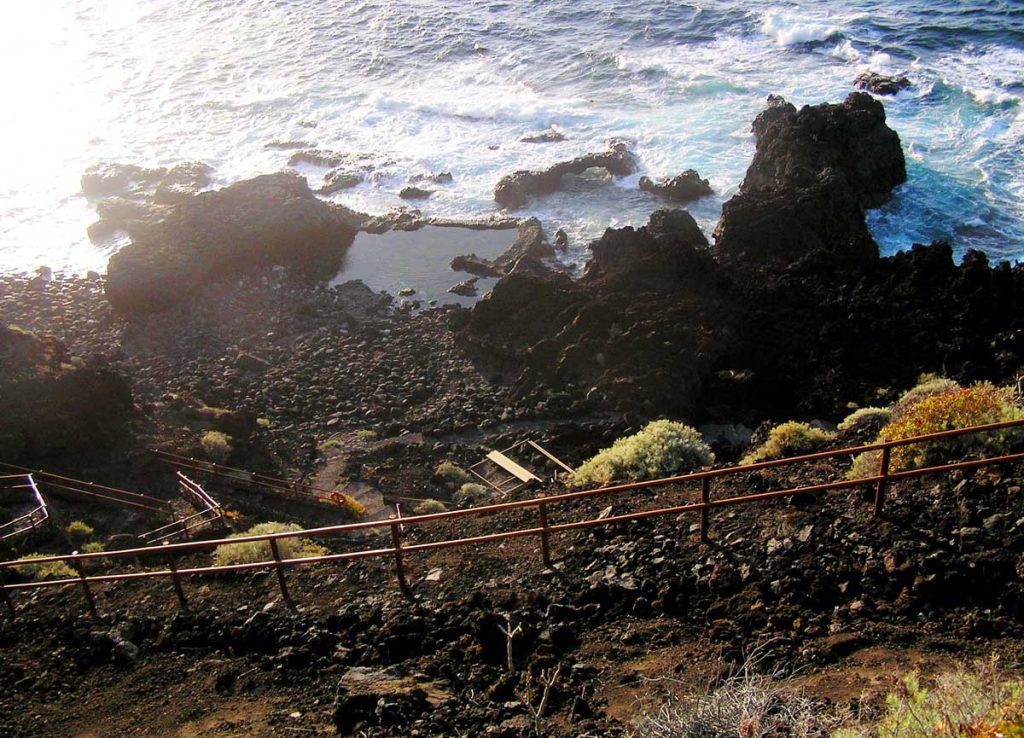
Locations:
(426, 86)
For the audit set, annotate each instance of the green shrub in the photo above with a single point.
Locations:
(660, 449)
(93, 547)
(452, 475)
(254, 551)
(948, 410)
(366, 434)
(429, 507)
(865, 421)
(472, 493)
(789, 439)
(79, 532)
(927, 386)
(972, 702)
(50, 570)
(216, 446)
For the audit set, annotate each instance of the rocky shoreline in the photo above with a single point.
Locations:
(208, 321)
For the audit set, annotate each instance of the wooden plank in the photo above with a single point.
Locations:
(550, 456)
(512, 467)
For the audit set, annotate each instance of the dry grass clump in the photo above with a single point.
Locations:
(452, 474)
(927, 386)
(789, 439)
(472, 493)
(429, 507)
(255, 551)
(745, 705)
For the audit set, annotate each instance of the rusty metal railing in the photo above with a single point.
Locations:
(209, 513)
(34, 517)
(544, 529)
(92, 490)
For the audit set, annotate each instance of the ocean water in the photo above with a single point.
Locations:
(428, 86)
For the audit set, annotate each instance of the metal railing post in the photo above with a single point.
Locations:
(275, 549)
(705, 498)
(545, 544)
(7, 599)
(77, 565)
(883, 472)
(176, 579)
(396, 542)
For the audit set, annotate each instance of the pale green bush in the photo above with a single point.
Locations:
(789, 439)
(452, 475)
(216, 446)
(254, 551)
(50, 570)
(865, 421)
(662, 448)
(79, 532)
(429, 507)
(93, 547)
(472, 493)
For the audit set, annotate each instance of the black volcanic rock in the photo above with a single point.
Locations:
(271, 219)
(514, 190)
(682, 188)
(53, 407)
(102, 180)
(791, 312)
(880, 84)
(813, 173)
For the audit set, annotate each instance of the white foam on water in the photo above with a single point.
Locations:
(787, 30)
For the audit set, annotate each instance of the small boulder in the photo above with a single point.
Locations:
(549, 135)
(411, 192)
(683, 187)
(880, 84)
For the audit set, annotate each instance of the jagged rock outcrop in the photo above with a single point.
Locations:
(813, 173)
(514, 190)
(595, 335)
(682, 188)
(792, 311)
(271, 219)
(52, 406)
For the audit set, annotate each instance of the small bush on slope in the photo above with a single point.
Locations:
(974, 702)
(948, 410)
(789, 439)
(865, 421)
(251, 552)
(660, 449)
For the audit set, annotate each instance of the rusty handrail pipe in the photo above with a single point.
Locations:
(564, 497)
(880, 480)
(90, 485)
(190, 462)
(490, 537)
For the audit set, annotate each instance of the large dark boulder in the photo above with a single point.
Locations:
(273, 219)
(814, 172)
(596, 334)
(52, 408)
(514, 190)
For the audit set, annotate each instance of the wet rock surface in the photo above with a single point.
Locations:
(514, 190)
(269, 220)
(682, 188)
(881, 84)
